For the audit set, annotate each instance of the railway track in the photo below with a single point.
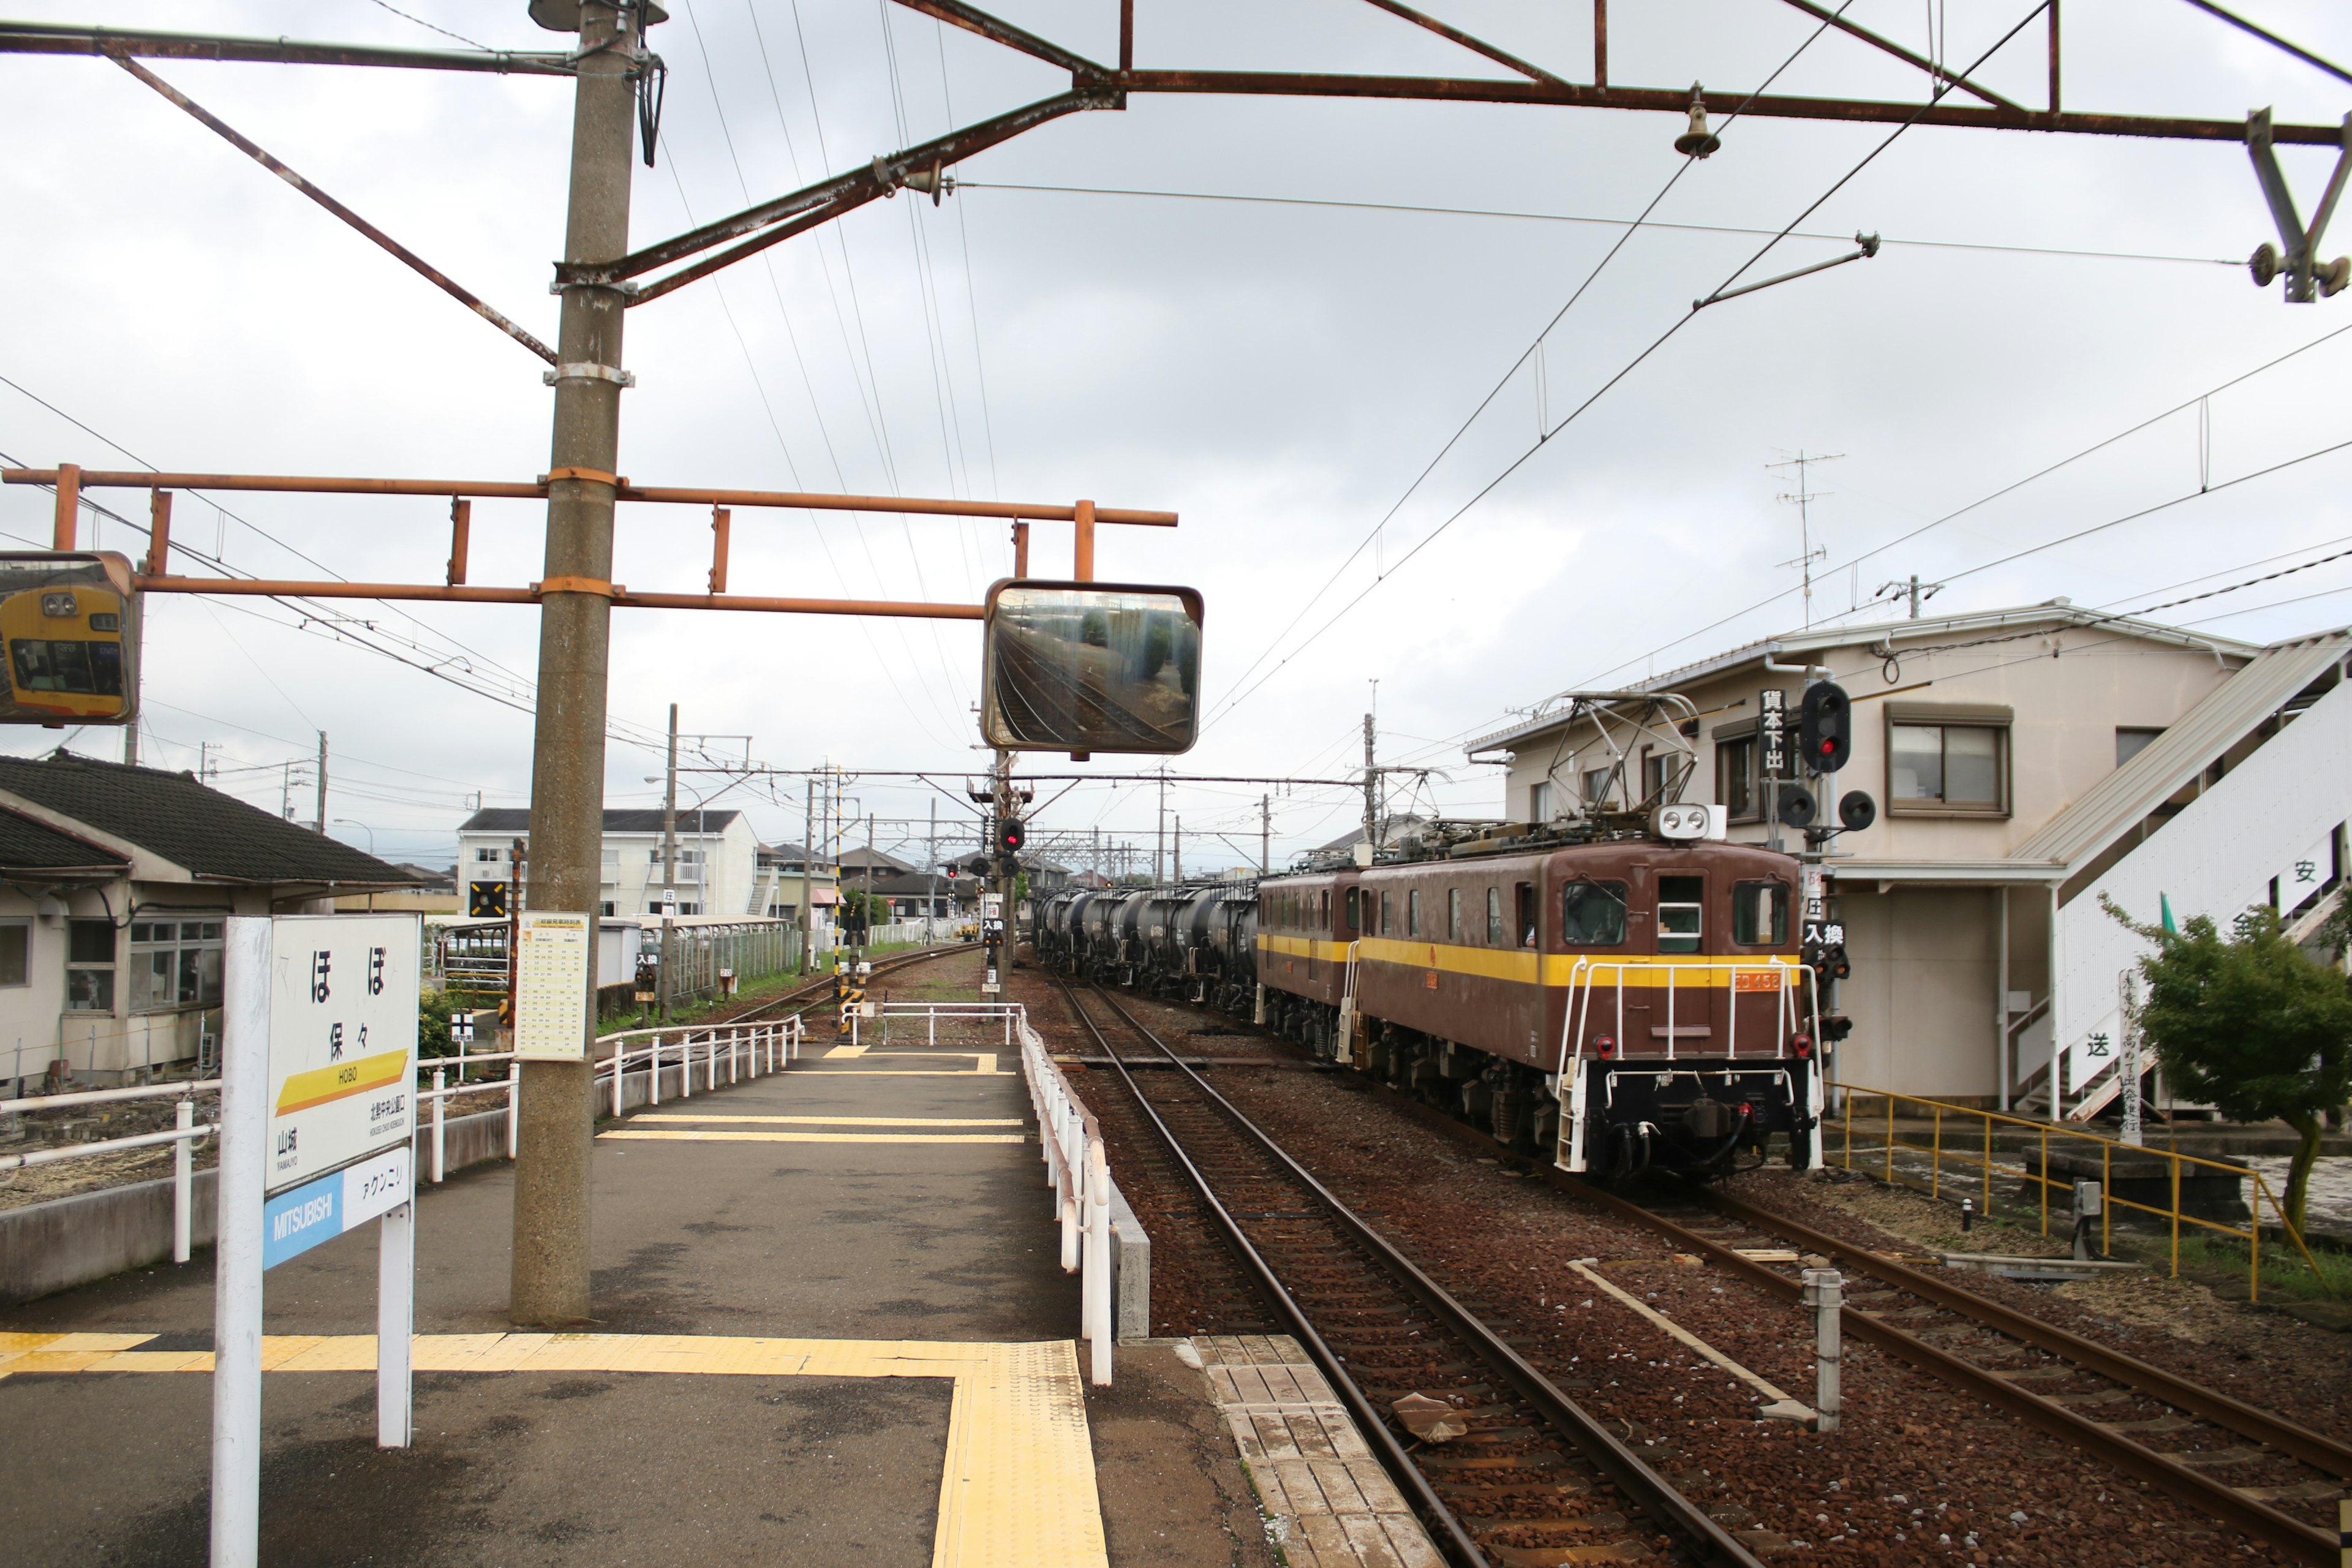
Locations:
(2097, 1399)
(817, 992)
(1533, 1463)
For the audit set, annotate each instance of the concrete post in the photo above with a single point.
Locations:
(440, 1116)
(184, 1183)
(666, 977)
(1093, 1285)
(1823, 1293)
(549, 1277)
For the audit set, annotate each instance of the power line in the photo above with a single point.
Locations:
(1533, 349)
(1598, 222)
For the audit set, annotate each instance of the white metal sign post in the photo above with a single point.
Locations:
(318, 1113)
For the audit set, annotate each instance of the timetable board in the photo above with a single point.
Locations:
(553, 954)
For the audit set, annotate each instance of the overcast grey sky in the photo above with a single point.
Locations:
(1277, 373)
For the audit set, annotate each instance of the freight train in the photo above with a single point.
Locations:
(1603, 993)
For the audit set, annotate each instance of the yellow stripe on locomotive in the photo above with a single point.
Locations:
(65, 651)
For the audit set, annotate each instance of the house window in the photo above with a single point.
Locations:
(2130, 743)
(1412, 912)
(1759, 914)
(1946, 768)
(1454, 914)
(1662, 775)
(1736, 781)
(1592, 914)
(175, 964)
(90, 966)
(608, 908)
(486, 856)
(15, 954)
(1596, 787)
(1682, 913)
(1540, 802)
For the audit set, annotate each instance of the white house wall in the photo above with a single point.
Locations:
(2215, 858)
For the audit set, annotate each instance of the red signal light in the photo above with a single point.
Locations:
(1803, 1046)
(1604, 1046)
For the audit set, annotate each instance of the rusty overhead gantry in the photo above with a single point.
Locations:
(617, 84)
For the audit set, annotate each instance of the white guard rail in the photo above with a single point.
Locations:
(1782, 976)
(1077, 1168)
(183, 1136)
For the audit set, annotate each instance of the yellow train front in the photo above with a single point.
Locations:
(65, 651)
(1617, 1005)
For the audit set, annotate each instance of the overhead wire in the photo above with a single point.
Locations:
(1244, 691)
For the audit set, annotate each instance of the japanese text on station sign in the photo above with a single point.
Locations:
(342, 1041)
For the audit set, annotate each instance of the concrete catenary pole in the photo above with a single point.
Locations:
(549, 1277)
(1265, 832)
(808, 857)
(663, 982)
(322, 782)
(1371, 789)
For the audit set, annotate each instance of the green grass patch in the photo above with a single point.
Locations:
(2222, 1259)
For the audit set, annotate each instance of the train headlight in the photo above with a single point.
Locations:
(1604, 1046)
(1803, 1046)
(58, 606)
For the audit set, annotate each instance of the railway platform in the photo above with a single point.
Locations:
(833, 1326)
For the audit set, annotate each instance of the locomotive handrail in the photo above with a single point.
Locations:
(1583, 980)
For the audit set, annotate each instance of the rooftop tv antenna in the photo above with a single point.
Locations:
(1803, 498)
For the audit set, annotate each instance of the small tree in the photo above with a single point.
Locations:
(2249, 1024)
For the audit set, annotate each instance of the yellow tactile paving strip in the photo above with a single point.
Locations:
(839, 1120)
(685, 1136)
(1019, 1486)
(1330, 1503)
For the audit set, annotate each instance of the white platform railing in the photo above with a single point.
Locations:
(1077, 1168)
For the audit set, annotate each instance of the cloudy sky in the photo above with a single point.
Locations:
(1277, 370)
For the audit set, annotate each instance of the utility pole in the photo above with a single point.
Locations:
(1265, 832)
(556, 1120)
(1179, 877)
(1371, 791)
(931, 874)
(664, 990)
(1914, 590)
(322, 782)
(1160, 827)
(130, 745)
(808, 858)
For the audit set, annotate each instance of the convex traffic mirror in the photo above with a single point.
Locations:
(1090, 666)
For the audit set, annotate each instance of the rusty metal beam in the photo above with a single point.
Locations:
(46, 39)
(1676, 100)
(1934, 71)
(841, 193)
(1451, 35)
(794, 500)
(436, 593)
(996, 30)
(400, 252)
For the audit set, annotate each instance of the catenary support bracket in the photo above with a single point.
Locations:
(2306, 279)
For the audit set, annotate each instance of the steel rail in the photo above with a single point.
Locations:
(1642, 1485)
(1459, 1547)
(810, 995)
(2312, 1448)
(2300, 1542)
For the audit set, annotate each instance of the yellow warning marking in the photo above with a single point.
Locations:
(1018, 1489)
(682, 1137)
(847, 1051)
(848, 1121)
(987, 1071)
(340, 1080)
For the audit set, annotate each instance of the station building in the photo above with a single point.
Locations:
(2024, 762)
(115, 881)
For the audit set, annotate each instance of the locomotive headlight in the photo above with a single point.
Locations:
(1803, 1046)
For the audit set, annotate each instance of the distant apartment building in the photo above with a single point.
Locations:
(2024, 763)
(718, 873)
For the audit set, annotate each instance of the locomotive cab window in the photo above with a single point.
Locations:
(1494, 916)
(1412, 912)
(1592, 914)
(1524, 901)
(1387, 926)
(1454, 914)
(1759, 914)
(1682, 913)
(1355, 908)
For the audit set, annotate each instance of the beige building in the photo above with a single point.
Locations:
(2022, 763)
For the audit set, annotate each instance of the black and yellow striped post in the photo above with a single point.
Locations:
(852, 1000)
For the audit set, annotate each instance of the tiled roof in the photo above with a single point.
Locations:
(516, 819)
(29, 846)
(215, 837)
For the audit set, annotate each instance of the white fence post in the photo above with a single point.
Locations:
(183, 1182)
(440, 1114)
(514, 1104)
(1093, 1286)
(620, 1073)
(685, 1067)
(1822, 1289)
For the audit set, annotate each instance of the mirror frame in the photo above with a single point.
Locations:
(1193, 603)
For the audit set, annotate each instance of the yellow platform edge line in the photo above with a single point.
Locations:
(842, 1120)
(664, 1135)
(1018, 1489)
